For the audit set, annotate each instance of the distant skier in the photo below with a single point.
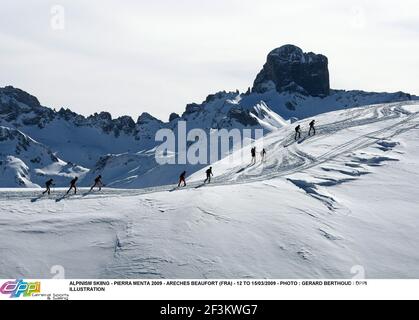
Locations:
(312, 128)
(48, 185)
(297, 132)
(209, 174)
(263, 155)
(253, 153)
(73, 185)
(182, 178)
(98, 183)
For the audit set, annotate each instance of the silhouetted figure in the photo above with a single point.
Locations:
(98, 183)
(312, 128)
(253, 153)
(263, 155)
(182, 178)
(297, 132)
(73, 185)
(48, 185)
(209, 174)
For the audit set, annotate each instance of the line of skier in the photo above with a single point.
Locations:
(73, 185)
(209, 173)
(253, 152)
(311, 130)
(182, 178)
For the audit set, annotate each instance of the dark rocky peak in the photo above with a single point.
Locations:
(67, 114)
(146, 118)
(288, 68)
(102, 116)
(16, 103)
(173, 116)
(104, 121)
(288, 53)
(19, 96)
(125, 122)
(242, 116)
(221, 95)
(192, 108)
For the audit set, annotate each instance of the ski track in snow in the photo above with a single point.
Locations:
(196, 232)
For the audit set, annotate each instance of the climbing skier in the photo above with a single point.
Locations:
(73, 185)
(209, 174)
(182, 179)
(253, 152)
(263, 155)
(98, 183)
(312, 123)
(48, 185)
(297, 132)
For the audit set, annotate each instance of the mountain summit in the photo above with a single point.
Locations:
(288, 68)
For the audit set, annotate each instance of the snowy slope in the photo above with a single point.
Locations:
(343, 201)
(140, 169)
(27, 163)
(253, 111)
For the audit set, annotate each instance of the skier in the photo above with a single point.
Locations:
(253, 152)
(263, 154)
(209, 174)
(312, 128)
(297, 132)
(182, 179)
(73, 185)
(98, 183)
(48, 185)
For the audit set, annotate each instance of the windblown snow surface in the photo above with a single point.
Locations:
(344, 200)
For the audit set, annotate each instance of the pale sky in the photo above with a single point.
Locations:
(131, 56)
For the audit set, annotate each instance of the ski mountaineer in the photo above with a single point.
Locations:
(263, 155)
(182, 179)
(48, 185)
(209, 174)
(73, 185)
(98, 183)
(312, 123)
(297, 132)
(253, 152)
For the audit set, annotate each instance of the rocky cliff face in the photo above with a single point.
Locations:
(289, 69)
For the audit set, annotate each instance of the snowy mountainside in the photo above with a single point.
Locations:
(291, 86)
(27, 163)
(150, 174)
(337, 205)
(356, 129)
(72, 136)
(86, 141)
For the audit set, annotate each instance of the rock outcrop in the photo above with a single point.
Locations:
(289, 69)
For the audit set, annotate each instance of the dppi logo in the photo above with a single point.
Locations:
(19, 287)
